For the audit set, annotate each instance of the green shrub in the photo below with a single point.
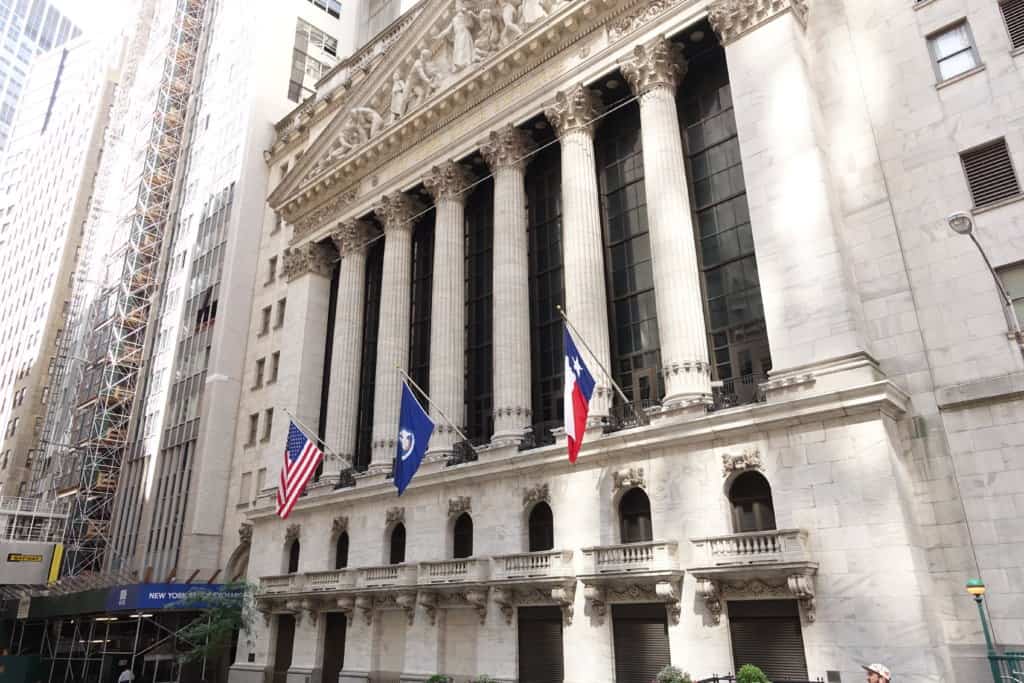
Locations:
(484, 678)
(438, 678)
(671, 674)
(749, 673)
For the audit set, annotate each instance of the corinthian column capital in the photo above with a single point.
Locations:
(448, 181)
(396, 211)
(734, 18)
(657, 64)
(575, 109)
(507, 148)
(310, 257)
(352, 235)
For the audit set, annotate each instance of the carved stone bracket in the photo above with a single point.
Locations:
(565, 596)
(575, 109)
(339, 525)
(796, 585)
(598, 601)
(310, 608)
(708, 590)
(669, 593)
(505, 599)
(509, 597)
(536, 494)
(456, 506)
(748, 458)
(292, 533)
(477, 597)
(657, 64)
(346, 603)
(507, 147)
(732, 19)
(364, 603)
(245, 534)
(352, 236)
(396, 211)
(307, 258)
(634, 476)
(395, 515)
(802, 587)
(428, 601)
(449, 181)
(407, 601)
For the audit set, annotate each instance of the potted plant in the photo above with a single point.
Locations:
(749, 673)
(671, 674)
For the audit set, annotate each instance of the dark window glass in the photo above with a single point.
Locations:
(462, 536)
(293, 557)
(479, 237)
(341, 551)
(544, 201)
(632, 317)
(635, 517)
(542, 528)
(397, 555)
(738, 341)
(751, 499)
(419, 327)
(368, 367)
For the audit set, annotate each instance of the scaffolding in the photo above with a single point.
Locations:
(99, 454)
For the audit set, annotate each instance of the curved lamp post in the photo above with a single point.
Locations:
(976, 587)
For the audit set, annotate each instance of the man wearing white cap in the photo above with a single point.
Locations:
(878, 673)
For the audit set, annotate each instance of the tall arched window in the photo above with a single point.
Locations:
(293, 557)
(542, 528)
(635, 517)
(397, 555)
(751, 499)
(341, 551)
(462, 536)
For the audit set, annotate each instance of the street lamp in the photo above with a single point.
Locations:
(976, 587)
(962, 223)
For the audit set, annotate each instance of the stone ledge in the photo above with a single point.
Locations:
(986, 390)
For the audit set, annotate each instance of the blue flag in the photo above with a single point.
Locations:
(414, 430)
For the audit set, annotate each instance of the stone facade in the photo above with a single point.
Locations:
(891, 425)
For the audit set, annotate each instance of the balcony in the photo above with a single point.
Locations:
(284, 583)
(628, 558)
(386, 576)
(546, 564)
(468, 570)
(335, 580)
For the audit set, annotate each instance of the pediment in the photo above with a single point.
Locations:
(450, 50)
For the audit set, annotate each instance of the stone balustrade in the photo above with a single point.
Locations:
(757, 547)
(650, 556)
(466, 570)
(284, 583)
(386, 576)
(542, 564)
(336, 579)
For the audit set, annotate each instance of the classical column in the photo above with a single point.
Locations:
(505, 152)
(586, 303)
(396, 212)
(307, 268)
(448, 184)
(811, 306)
(653, 73)
(346, 348)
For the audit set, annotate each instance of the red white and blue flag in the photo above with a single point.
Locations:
(579, 386)
(301, 457)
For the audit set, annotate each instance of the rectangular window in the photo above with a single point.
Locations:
(254, 425)
(953, 51)
(245, 488)
(268, 423)
(261, 365)
(265, 320)
(1012, 277)
(990, 173)
(1013, 15)
(271, 269)
(279, 319)
(261, 480)
(275, 366)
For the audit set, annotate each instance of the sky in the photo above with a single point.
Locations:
(91, 15)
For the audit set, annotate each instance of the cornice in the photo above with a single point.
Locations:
(732, 19)
(882, 399)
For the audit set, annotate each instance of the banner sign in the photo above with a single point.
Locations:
(162, 595)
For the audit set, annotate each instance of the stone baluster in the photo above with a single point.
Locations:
(505, 152)
(572, 115)
(653, 73)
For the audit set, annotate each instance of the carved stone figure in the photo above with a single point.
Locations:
(488, 37)
(422, 81)
(460, 32)
(368, 121)
(510, 29)
(398, 97)
(533, 11)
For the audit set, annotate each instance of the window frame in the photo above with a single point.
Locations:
(972, 47)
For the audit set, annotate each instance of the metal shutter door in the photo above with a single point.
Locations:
(767, 634)
(540, 645)
(334, 645)
(641, 642)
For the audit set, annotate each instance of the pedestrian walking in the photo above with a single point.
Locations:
(878, 673)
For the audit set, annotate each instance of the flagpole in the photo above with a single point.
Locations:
(310, 431)
(593, 355)
(430, 403)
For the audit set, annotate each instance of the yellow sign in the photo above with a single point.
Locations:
(58, 553)
(19, 557)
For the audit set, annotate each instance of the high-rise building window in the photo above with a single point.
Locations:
(368, 364)
(279, 317)
(422, 277)
(544, 201)
(271, 269)
(254, 425)
(275, 366)
(632, 314)
(479, 258)
(265, 320)
(268, 424)
(737, 337)
(332, 7)
(953, 51)
(261, 364)
(314, 54)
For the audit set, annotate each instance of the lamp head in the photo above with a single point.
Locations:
(975, 587)
(960, 222)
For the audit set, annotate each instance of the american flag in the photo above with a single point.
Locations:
(301, 457)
